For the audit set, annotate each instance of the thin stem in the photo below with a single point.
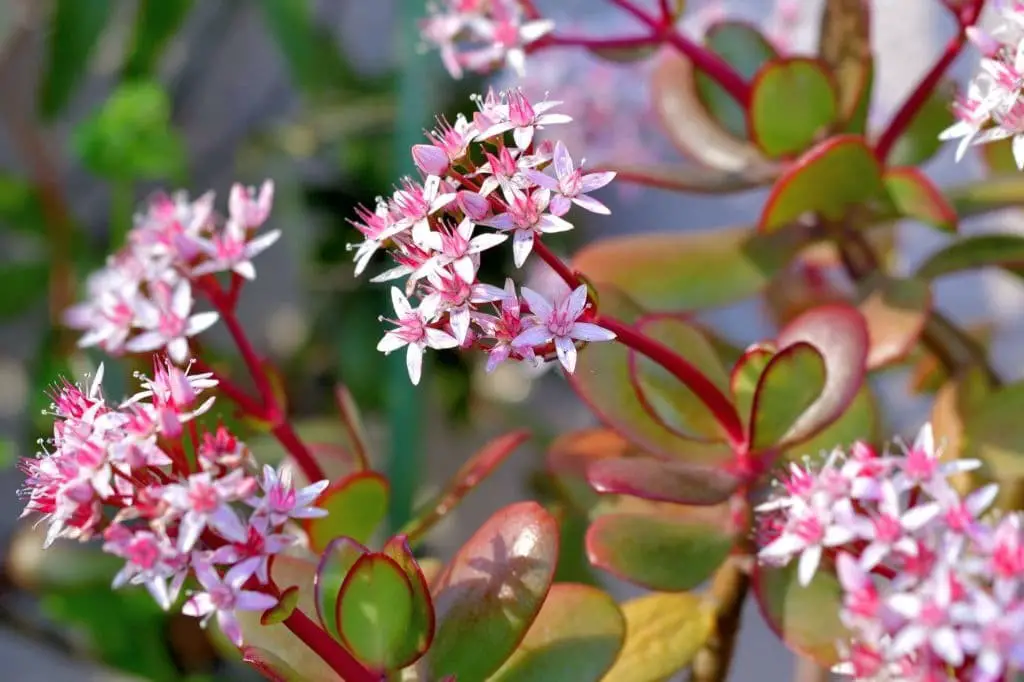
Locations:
(906, 113)
(666, 10)
(333, 654)
(716, 401)
(624, 43)
(729, 590)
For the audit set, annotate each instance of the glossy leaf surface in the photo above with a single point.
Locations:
(355, 507)
(779, 128)
(914, 196)
(969, 253)
(374, 612)
(790, 384)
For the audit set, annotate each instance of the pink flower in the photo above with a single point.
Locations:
(457, 249)
(809, 530)
(414, 331)
(505, 327)
(221, 597)
(523, 118)
(169, 321)
(281, 501)
(233, 250)
(249, 209)
(570, 185)
(526, 217)
(559, 322)
(205, 502)
(260, 544)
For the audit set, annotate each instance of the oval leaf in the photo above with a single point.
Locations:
(845, 48)
(355, 507)
(570, 456)
(661, 481)
(488, 596)
(792, 382)
(837, 174)
(673, 549)
(779, 128)
(993, 431)
(896, 311)
(805, 618)
(280, 612)
(914, 196)
(374, 611)
(421, 623)
(692, 270)
(744, 48)
(336, 561)
(689, 125)
(664, 632)
(860, 421)
(969, 253)
(576, 636)
(744, 378)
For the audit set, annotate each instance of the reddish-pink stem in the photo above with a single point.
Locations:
(703, 60)
(624, 43)
(910, 108)
(666, 10)
(721, 407)
(333, 654)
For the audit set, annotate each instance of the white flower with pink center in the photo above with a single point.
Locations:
(559, 322)
(249, 208)
(524, 118)
(233, 249)
(570, 185)
(526, 218)
(280, 500)
(204, 502)
(413, 330)
(169, 321)
(457, 249)
(223, 596)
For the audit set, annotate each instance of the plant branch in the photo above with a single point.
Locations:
(623, 43)
(729, 590)
(910, 108)
(333, 654)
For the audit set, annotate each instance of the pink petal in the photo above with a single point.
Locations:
(593, 181)
(562, 161)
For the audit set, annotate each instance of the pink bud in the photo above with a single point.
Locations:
(473, 205)
(430, 159)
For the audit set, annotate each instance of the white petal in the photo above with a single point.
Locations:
(145, 341)
(522, 245)
(414, 362)
(539, 305)
(947, 646)
(523, 136)
(577, 301)
(465, 268)
(534, 336)
(809, 561)
(200, 322)
(400, 302)
(566, 353)
(459, 320)
(782, 547)
(439, 339)
(562, 161)
(593, 181)
(591, 204)
(549, 223)
(1018, 150)
(390, 342)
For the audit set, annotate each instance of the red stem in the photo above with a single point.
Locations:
(666, 11)
(624, 43)
(333, 654)
(910, 108)
(721, 407)
(704, 60)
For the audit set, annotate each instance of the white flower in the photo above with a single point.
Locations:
(559, 322)
(414, 331)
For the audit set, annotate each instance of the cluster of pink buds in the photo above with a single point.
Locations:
(490, 173)
(992, 109)
(170, 499)
(481, 35)
(143, 299)
(932, 587)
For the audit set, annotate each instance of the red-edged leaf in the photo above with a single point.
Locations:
(603, 380)
(780, 129)
(792, 382)
(661, 481)
(915, 196)
(745, 375)
(671, 548)
(374, 612)
(576, 636)
(355, 507)
(571, 455)
(270, 665)
(839, 333)
(805, 618)
(469, 475)
(421, 624)
(491, 591)
(978, 251)
(280, 612)
(689, 125)
(829, 179)
(336, 561)
(692, 179)
(896, 311)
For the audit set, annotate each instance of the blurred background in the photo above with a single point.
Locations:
(105, 101)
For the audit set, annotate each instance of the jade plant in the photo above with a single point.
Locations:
(724, 470)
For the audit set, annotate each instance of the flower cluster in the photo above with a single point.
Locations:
(143, 299)
(930, 584)
(123, 472)
(489, 173)
(479, 35)
(992, 108)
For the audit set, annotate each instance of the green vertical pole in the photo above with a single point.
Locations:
(405, 410)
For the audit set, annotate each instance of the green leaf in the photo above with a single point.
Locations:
(672, 548)
(337, 559)
(791, 382)
(375, 611)
(689, 125)
(860, 421)
(572, 454)
(744, 378)
(844, 45)
(916, 197)
(603, 379)
(355, 507)
(839, 333)
(920, 141)
(896, 311)
(130, 138)
(675, 272)
(420, 632)
(22, 287)
(994, 433)
(997, 157)
(744, 48)
(661, 480)
(831, 178)
(75, 30)
(490, 593)
(779, 128)
(970, 253)
(664, 633)
(985, 196)
(576, 636)
(805, 618)
(270, 665)
(667, 398)
(156, 22)
(285, 607)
